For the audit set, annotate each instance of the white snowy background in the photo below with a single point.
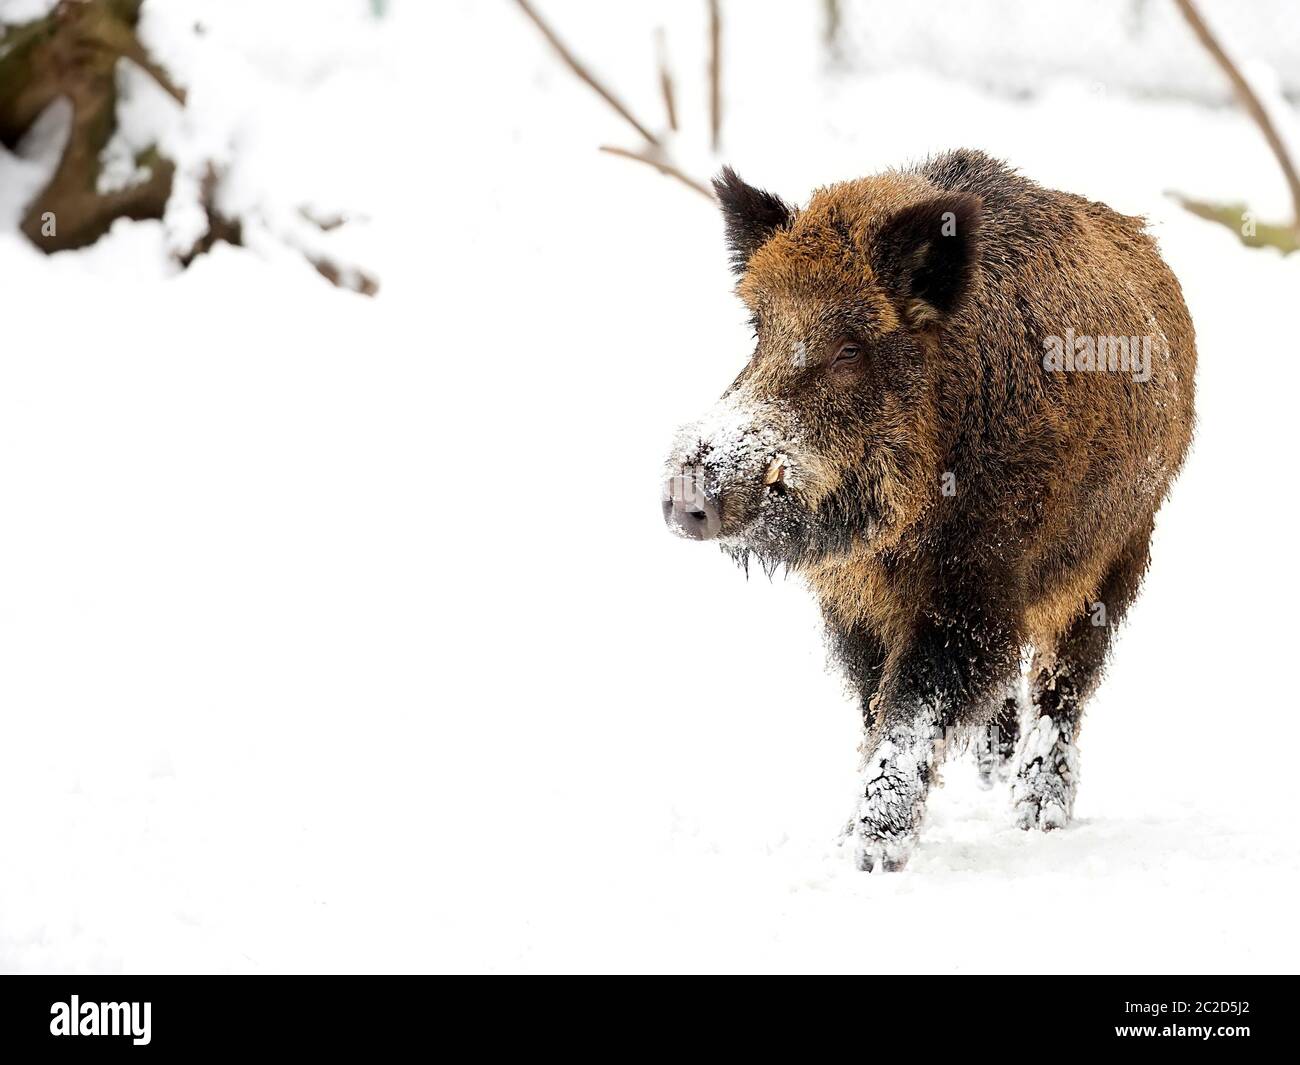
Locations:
(343, 634)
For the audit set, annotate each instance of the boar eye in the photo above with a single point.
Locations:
(848, 353)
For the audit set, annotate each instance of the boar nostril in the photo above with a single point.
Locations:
(688, 511)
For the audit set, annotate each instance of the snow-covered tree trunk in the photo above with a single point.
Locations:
(72, 54)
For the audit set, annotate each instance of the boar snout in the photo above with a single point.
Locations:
(688, 510)
(725, 470)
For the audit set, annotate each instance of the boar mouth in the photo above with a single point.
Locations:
(774, 478)
(704, 500)
(785, 530)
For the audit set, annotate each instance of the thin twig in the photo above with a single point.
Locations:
(831, 27)
(666, 78)
(1247, 98)
(583, 73)
(715, 73)
(136, 53)
(662, 166)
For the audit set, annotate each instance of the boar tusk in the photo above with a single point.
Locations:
(775, 471)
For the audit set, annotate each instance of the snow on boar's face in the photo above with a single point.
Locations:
(829, 438)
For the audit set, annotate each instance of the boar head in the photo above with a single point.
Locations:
(830, 439)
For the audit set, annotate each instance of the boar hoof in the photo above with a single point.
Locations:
(1042, 799)
(888, 856)
(1041, 813)
(993, 766)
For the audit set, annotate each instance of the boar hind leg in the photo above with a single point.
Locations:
(1047, 770)
(995, 743)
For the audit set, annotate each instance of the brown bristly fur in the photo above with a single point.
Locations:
(1055, 471)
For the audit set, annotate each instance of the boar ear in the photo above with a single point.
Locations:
(752, 216)
(926, 254)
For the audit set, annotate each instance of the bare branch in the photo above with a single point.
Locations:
(1247, 98)
(663, 166)
(584, 74)
(831, 28)
(1235, 216)
(654, 154)
(666, 78)
(715, 73)
(133, 50)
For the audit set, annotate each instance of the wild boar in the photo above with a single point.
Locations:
(967, 399)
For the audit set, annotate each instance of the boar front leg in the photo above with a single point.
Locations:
(1047, 778)
(946, 678)
(899, 770)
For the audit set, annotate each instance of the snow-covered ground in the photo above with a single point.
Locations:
(342, 634)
